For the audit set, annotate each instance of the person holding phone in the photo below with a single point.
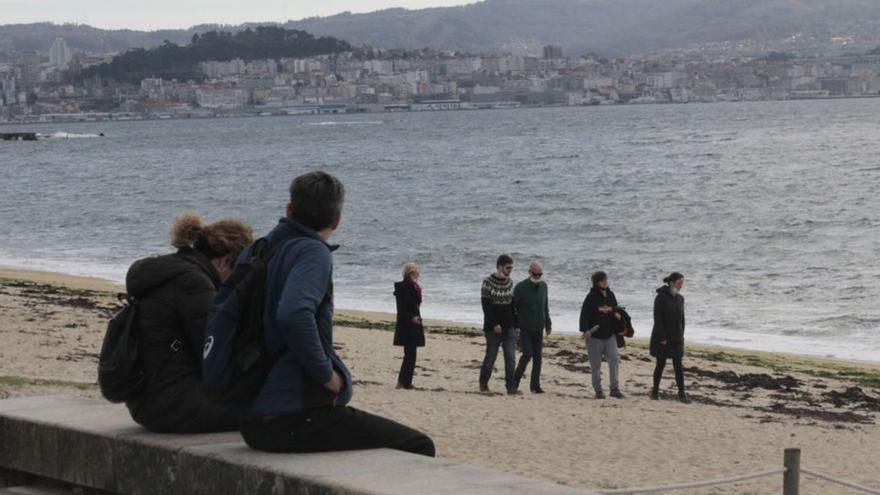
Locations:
(600, 324)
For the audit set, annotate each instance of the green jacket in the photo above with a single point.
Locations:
(532, 307)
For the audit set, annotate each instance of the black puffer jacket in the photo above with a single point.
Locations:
(668, 324)
(407, 333)
(175, 292)
(591, 316)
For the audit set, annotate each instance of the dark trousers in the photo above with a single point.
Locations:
(532, 344)
(507, 341)
(408, 366)
(329, 429)
(679, 372)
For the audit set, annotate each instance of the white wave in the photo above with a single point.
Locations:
(351, 122)
(112, 272)
(868, 350)
(69, 135)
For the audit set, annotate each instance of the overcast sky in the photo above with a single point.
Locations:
(155, 14)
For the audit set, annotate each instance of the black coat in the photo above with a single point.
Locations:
(590, 315)
(175, 292)
(626, 329)
(407, 333)
(668, 324)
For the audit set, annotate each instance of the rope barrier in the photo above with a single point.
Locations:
(696, 484)
(845, 483)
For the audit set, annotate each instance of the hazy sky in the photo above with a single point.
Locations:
(154, 14)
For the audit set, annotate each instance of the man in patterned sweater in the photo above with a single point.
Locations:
(499, 324)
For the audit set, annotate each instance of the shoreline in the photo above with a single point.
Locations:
(247, 113)
(381, 319)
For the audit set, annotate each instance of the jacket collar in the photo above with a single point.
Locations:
(287, 227)
(196, 257)
(598, 291)
(667, 291)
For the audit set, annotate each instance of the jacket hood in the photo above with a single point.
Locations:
(150, 273)
(665, 290)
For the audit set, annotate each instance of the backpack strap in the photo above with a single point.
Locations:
(264, 250)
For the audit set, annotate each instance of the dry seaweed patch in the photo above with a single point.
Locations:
(853, 397)
(44, 296)
(747, 381)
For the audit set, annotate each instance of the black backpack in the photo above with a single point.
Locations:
(120, 375)
(236, 359)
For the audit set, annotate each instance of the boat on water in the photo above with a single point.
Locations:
(34, 136)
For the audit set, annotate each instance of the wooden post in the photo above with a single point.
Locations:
(792, 477)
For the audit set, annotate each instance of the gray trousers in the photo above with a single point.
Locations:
(596, 348)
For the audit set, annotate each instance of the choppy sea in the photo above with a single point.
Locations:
(771, 209)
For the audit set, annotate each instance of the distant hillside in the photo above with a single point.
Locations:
(39, 37)
(605, 26)
(615, 27)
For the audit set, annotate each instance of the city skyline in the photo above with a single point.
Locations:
(168, 14)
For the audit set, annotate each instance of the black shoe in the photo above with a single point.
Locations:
(484, 389)
(513, 391)
(683, 398)
(655, 394)
(538, 390)
(616, 394)
(600, 395)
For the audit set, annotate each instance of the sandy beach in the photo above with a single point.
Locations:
(747, 408)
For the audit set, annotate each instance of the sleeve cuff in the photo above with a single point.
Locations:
(322, 374)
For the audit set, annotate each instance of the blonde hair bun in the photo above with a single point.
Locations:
(187, 229)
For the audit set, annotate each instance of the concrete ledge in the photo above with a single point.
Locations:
(94, 444)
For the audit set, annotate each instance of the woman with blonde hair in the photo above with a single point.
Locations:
(409, 332)
(175, 292)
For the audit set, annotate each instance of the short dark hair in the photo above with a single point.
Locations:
(504, 260)
(672, 278)
(598, 277)
(316, 199)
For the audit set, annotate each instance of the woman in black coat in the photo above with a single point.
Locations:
(175, 292)
(409, 332)
(667, 337)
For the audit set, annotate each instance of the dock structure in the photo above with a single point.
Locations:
(18, 136)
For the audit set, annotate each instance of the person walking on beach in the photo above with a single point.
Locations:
(667, 336)
(600, 323)
(499, 324)
(175, 293)
(303, 405)
(533, 317)
(409, 332)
